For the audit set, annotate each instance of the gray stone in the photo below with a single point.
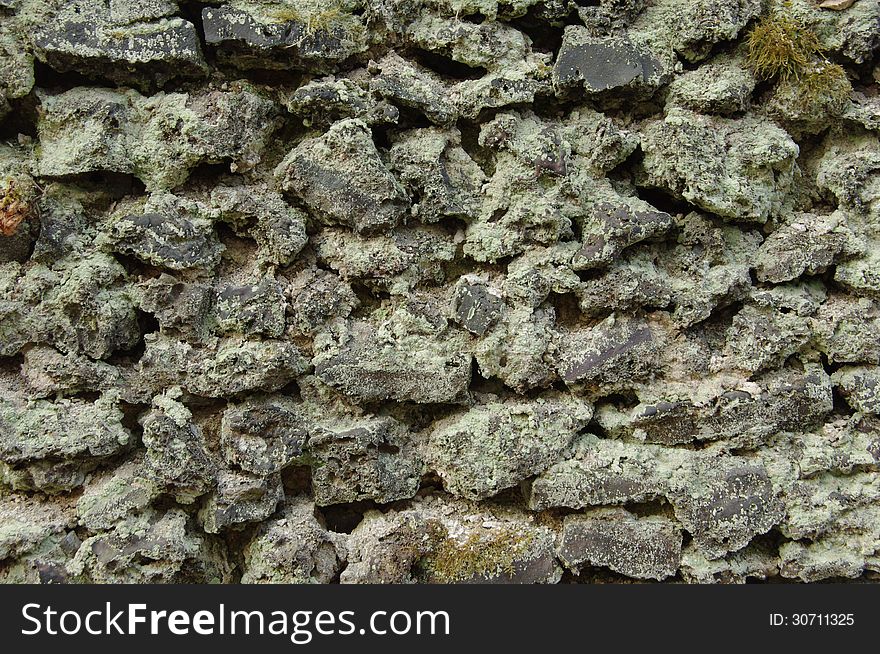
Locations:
(363, 458)
(84, 36)
(240, 498)
(343, 179)
(643, 548)
(406, 369)
(293, 548)
(265, 435)
(601, 64)
(476, 306)
(251, 35)
(496, 445)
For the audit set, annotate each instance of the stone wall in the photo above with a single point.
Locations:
(372, 291)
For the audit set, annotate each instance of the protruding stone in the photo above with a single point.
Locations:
(343, 179)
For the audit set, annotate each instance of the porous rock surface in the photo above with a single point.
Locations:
(434, 291)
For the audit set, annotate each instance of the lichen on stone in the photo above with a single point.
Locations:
(439, 291)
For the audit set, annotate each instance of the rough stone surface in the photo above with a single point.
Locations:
(437, 291)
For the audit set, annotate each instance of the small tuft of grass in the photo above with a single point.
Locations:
(824, 83)
(315, 21)
(782, 47)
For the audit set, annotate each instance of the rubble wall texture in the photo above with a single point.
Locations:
(435, 291)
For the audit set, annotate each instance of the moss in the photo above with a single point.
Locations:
(809, 88)
(781, 47)
(484, 555)
(315, 21)
(824, 83)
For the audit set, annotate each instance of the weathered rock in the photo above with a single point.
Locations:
(324, 101)
(251, 309)
(647, 548)
(847, 330)
(311, 35)
(395, 263)
(497, 444)
(278, 228)
(87, 36)
(407, 84)
(37, 541)
(151, 548)
(516, 350)
(177, 458)
(240, 498)
(49, 446)
(860, 385)
(723, 86)
(158, 139)
(612, 228)
(846, 554)
(747, 414)
(263, 436)
(228, 367)
(759, 338)
(852, 33)
(317, 296)
(617, 350)
(437, 541)
(755, 562)
(604, 472)
(406, 368)
(434, 167)
(47, 372)
(363, 458)
(169, 234)
(692, 27)
(116, 495)
(27, 523)
(807, 244)
(293, 549)
(79, 304)
(738, 169)
(724, 503)
(343, 179)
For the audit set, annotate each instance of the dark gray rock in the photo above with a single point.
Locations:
(596, 64)
(363, 458)
(476, 306)
(86, 37)
(313, 37)
(263, 436)
(614, 229)
(170, 239)
(643, 548)
(343, 179)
